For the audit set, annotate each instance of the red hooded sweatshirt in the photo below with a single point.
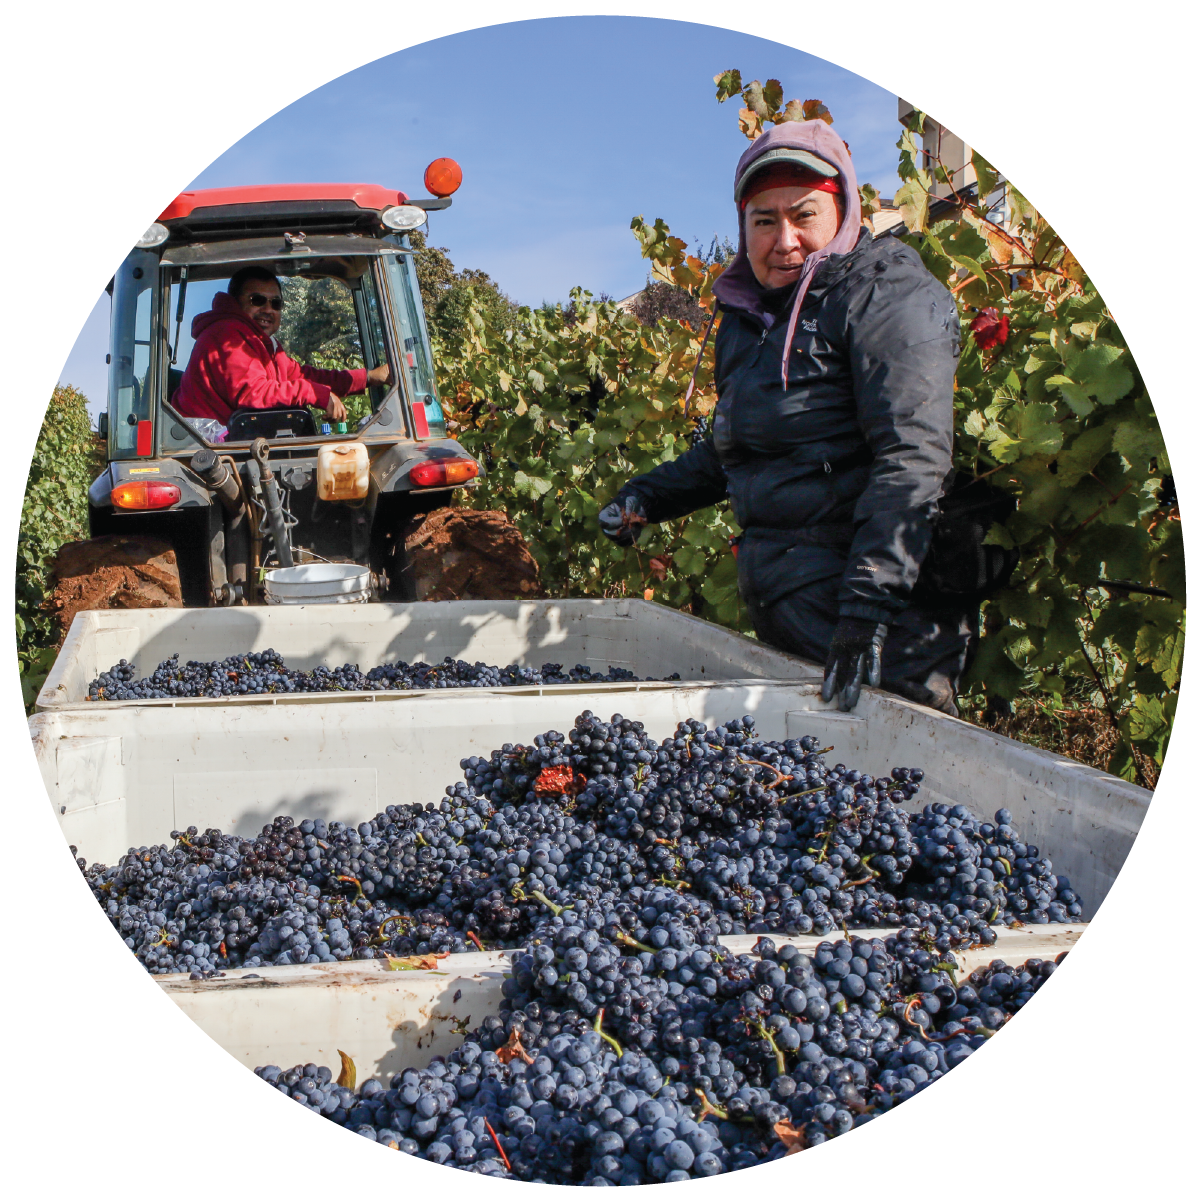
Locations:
(233, 366)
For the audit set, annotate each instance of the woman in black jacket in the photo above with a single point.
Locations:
(834, 369)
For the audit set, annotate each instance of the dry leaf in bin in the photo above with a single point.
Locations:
(514, 1050)
(347, 1077)
(552, 781)
(790, 1136)
(414, 963)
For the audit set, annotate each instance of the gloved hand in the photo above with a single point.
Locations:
(622, 519)
(854, 660)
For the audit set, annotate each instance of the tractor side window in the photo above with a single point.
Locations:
(197, 296)
(406, 298)
(130, 358)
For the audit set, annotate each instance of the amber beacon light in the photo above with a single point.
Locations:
(443, 176)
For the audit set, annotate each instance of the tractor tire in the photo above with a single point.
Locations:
(115, 572)
(468, 554)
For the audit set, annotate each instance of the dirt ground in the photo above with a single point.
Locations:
(113, 573)
(471, 554)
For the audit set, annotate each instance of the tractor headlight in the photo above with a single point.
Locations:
(401, 216)
(156, 235)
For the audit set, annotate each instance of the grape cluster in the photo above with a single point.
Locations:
(767, 836)
(265, 673)
(213, 901)
(616, 1061)
(986, 869)
(701, 429)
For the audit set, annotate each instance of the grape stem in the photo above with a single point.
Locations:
(672, 883)
(780, 776)
(765, 1033)
(596, 1025)
(950, 968)
(500, 1150)
(909, 1021)
(396, 917)
(555, 909)
(626, 940)
(475, 939)
(358, 896)
(707, 1108)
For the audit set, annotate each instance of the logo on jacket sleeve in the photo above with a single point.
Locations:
(810, 327)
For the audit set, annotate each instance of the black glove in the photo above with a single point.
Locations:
(623, 518)
(854, 660)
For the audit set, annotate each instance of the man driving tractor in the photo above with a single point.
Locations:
(237, 362)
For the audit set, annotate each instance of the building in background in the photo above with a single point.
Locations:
(939, 144)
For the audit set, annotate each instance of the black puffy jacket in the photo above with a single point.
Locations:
(841, 473)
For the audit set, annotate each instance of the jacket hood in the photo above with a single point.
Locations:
(737, 286)
(225, 308)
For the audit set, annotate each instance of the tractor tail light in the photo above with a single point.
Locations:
(145, 494)
(448, 471)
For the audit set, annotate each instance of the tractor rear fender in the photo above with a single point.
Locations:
(391, 466)
(192, 492)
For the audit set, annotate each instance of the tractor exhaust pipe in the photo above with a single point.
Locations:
(221, 476)
(259, 451)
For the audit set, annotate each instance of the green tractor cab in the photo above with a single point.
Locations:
(234, 501)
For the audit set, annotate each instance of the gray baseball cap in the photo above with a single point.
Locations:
(783, 154)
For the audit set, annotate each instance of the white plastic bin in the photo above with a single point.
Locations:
(127, 776)
(647, 639)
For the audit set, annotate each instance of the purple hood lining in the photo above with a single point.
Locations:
(737, 286)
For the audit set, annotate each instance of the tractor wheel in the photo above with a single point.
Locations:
(468, 554)
(115, 572)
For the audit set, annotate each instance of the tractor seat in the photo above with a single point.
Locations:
(247, 424)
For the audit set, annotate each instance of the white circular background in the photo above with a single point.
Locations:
(107, 1086)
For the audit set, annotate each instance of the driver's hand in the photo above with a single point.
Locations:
(336, 409)
(379, 375)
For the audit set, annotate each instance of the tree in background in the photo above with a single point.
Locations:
(318, 326)
(661, 300)
(449, 295)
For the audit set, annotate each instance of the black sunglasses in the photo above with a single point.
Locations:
(260, 301)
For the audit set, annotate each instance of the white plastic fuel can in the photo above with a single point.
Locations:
(342, 471)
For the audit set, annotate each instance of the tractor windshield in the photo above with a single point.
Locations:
(334, 318)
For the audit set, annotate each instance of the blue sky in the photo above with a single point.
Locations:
(565, 128)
